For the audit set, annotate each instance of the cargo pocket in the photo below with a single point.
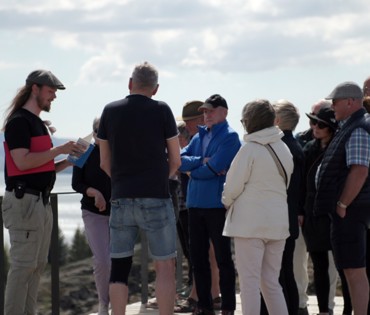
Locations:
(20, 214)
(23, 247)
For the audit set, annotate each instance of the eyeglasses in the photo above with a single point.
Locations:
(320, 124)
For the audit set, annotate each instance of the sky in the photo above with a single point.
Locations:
(297, 50)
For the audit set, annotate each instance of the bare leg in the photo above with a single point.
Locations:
(193, 292)
(118, 294)
(165, 287)
(358, 288)
(215, 290)
(215, 277)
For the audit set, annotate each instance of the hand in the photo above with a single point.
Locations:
(341, 212)
(73, 148)
(300, 220)
(100, 202)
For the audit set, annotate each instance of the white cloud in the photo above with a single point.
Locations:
(217, 35)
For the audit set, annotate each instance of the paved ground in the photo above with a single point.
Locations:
(138, 308)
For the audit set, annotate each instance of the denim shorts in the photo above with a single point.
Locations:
(155, 216)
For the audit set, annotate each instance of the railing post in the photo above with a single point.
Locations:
(54, 257)
(2, 262)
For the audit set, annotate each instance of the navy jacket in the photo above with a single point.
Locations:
(334, 170)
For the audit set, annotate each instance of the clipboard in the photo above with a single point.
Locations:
(38, 144)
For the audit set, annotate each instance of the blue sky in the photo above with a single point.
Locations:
(242, 49)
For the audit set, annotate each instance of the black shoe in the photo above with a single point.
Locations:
(303, 311)
(200, 311)
(217, 301)
(187, 306)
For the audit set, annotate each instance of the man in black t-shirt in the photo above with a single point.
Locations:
(140, 150)
(29, 177)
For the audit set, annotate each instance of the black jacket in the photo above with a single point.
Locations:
(316, 229)
(295, 189)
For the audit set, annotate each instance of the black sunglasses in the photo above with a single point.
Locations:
(319, 123)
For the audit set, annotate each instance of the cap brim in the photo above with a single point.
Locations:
(318, 119)
(205, 106)
(310, 116)
(179, 118)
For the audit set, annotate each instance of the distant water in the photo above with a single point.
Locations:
(69, 207)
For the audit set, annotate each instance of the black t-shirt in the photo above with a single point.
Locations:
(21, 127)
(137, 128)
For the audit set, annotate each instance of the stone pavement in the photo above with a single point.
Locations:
(138, 308)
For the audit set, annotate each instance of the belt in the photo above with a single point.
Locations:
(45, 195)
(31, 191)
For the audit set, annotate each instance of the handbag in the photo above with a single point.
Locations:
(278, 163)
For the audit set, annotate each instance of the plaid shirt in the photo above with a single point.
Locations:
(358, 148)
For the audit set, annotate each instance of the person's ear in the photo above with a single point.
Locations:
(130, 84)
(155, 90)
(35, 89)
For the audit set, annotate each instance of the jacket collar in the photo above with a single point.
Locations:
(215, 128)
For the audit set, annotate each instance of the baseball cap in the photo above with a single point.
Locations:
(44, 77)
(346, 89)
(325, 115)
(190, 110)
(214, 101)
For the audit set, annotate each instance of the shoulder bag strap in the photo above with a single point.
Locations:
(278, 163)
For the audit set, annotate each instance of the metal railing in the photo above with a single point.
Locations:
(54, 261)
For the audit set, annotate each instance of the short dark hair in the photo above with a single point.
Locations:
(258, 115)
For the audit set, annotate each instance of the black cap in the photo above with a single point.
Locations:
(325, 115)
(44, 77)
(214, 101)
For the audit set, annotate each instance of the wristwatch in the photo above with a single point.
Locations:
(341, 205)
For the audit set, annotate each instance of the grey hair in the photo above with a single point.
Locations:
(145, 76)
(183, 132)
(96, 123)
(258, 115)
(287, 113)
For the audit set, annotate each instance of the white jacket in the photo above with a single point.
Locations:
(254, 192)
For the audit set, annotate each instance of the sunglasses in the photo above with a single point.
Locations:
(320, 124)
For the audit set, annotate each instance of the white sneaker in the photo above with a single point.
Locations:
(103, 309)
